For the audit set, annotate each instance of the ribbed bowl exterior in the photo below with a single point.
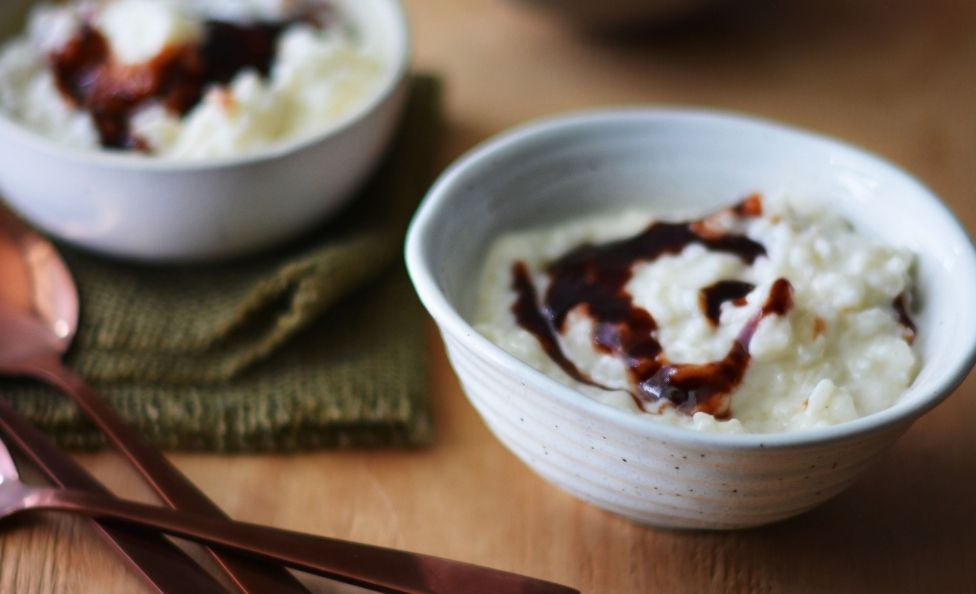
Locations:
(672, 483)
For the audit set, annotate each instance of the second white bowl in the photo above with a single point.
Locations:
(676, 162)
(151, 209)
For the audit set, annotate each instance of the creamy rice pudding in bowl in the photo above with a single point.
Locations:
(692, 319)
(193, 129)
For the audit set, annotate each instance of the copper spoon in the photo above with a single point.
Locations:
(382, 569)
(38, 320)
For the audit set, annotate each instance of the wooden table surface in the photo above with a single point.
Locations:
(896, 76)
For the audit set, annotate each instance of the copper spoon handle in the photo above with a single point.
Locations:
(164, 567)
(382, 569)
(172, 486)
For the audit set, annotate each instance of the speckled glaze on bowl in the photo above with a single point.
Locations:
(680, 162)
(150, 209)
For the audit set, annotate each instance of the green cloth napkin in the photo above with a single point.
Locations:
(320, 344)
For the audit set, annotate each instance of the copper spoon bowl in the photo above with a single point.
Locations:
(38, 320)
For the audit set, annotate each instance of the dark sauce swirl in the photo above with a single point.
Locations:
(88, 76)
(712, 297)
(594, 278)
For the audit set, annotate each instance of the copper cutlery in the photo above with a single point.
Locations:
(38, 318)
(164, 567)
(378, 568)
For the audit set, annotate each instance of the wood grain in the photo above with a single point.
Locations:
(896, 76)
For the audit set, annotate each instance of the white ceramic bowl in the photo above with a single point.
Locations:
(680, 161)
(151, 209)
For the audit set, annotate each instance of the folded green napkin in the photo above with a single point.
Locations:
(319, 344)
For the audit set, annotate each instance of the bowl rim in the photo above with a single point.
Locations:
(277, 150)
(444, 313)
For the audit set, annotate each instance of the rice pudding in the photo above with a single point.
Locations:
(767, 316)
(190, 79)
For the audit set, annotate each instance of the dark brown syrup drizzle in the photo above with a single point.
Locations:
(709, 386)
(528, 316)
(712, 297)
(87, 74)
(595, 277)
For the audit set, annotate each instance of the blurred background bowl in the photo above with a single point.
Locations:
(608, 15)
(157, 210)
(680, 163)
